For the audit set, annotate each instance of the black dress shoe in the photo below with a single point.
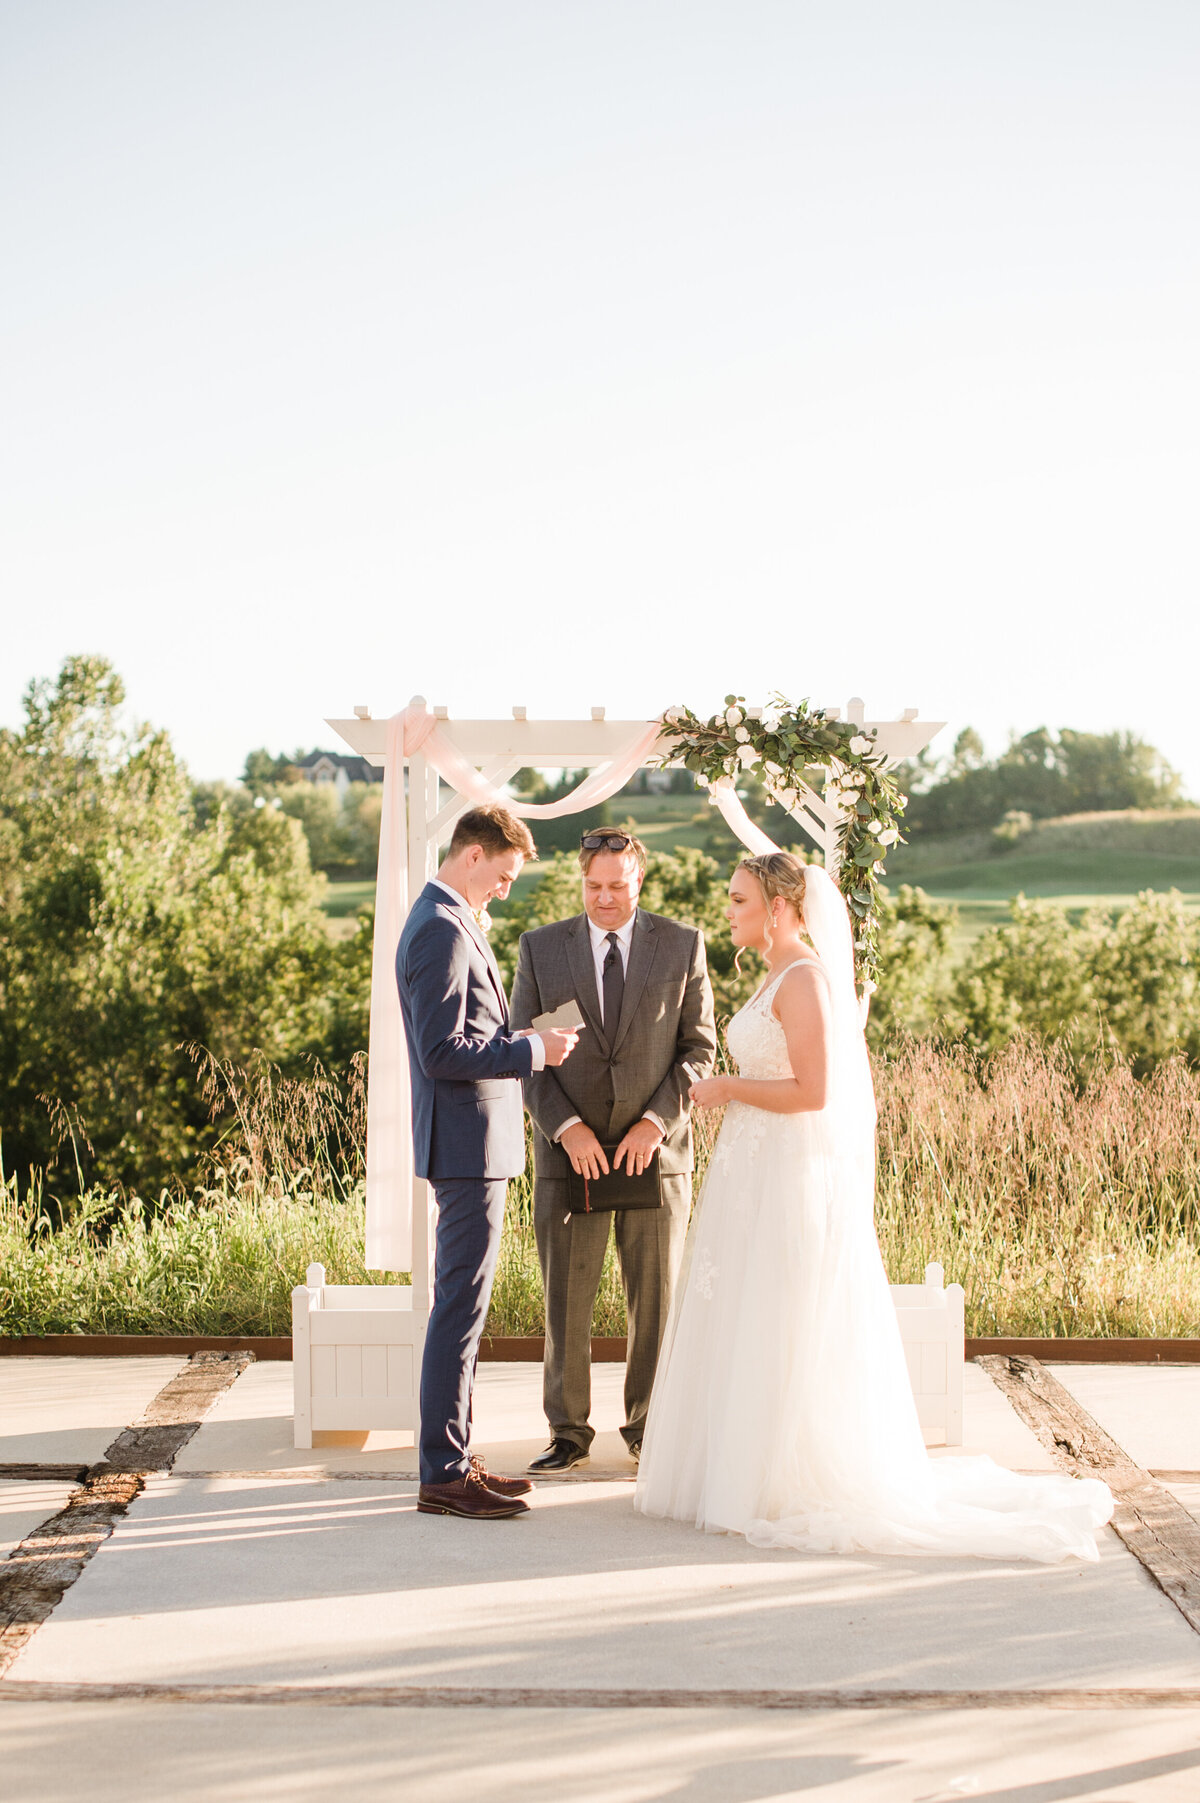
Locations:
(635, 1451)
(560, 1455)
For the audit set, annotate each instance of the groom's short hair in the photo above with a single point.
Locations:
(494, 830)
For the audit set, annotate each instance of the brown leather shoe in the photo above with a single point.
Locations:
(469, 1497)
(499, 1486)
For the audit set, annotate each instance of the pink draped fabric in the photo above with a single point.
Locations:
(389, 1101)
(724, 796)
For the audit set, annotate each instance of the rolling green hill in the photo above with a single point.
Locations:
(1080, 860)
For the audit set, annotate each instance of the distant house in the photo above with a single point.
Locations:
(339, 768)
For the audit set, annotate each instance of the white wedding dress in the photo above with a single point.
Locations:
(782, 1409)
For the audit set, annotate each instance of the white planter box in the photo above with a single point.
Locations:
(931, 1327)
(356, 1355)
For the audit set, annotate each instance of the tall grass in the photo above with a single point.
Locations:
(1065, 1206)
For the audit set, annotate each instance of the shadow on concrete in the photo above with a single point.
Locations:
(294, 1582)
(1085, 1784)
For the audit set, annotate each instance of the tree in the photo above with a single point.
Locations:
(1040, 774)
(1113, 770)
(264, 768)
(968, 751)
(132, 925)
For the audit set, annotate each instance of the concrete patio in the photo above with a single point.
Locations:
(254, 1565)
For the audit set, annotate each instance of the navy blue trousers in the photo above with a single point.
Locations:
(470, 1216)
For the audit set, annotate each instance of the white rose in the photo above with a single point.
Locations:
(770, 717)
(673, 716)
(733, 716)
(874, 826)
(890, 837)
(787, 798)
(748, 756)
(860, 745)
(878, 869)
(702, 781)
(741, 735)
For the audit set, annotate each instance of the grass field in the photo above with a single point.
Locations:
(343, 900)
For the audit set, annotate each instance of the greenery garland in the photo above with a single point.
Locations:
(783, 742)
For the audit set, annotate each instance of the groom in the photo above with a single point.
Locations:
(466, 1067)
(641, 982)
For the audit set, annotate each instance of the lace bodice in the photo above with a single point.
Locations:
(755, 1037)
(758, 1045)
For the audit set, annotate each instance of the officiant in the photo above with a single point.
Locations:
(612, 1127)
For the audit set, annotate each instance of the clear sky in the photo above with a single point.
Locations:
(542, 352)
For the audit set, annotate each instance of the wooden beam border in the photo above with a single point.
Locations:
(39, 1571)
(1155, 1526)
(435, 1696)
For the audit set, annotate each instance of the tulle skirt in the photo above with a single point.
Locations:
(782, 1409)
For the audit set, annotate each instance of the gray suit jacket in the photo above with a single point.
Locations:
(612, 1077)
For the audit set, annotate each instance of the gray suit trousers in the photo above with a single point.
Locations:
(571, 1252)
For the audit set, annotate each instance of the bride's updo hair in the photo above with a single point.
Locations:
(778, 873)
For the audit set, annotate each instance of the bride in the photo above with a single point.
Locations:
(782, 1408)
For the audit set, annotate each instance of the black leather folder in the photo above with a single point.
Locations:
(597, 1195)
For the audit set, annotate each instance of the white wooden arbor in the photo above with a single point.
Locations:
(357, 1349)
(499, 748)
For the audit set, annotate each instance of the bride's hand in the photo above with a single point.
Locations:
(711, 1092)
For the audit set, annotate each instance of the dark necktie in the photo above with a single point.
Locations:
(614, 985)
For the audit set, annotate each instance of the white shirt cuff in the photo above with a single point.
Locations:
(572, 1122)
(539, 1050)
(649, 1115)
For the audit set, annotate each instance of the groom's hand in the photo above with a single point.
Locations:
(584, 1150)
(638, 1146)
(559, 1043)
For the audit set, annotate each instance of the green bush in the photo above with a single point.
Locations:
(132, 925)
(1119, 981)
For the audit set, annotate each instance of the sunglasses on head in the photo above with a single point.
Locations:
(605, 842)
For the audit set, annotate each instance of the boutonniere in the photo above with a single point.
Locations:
(483, 919)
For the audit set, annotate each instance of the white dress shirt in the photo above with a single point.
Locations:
(535, 1039)
(599, 939)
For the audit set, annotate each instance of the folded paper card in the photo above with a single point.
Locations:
(565, 1018)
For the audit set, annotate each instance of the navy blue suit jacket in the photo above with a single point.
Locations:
(465, 1065)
